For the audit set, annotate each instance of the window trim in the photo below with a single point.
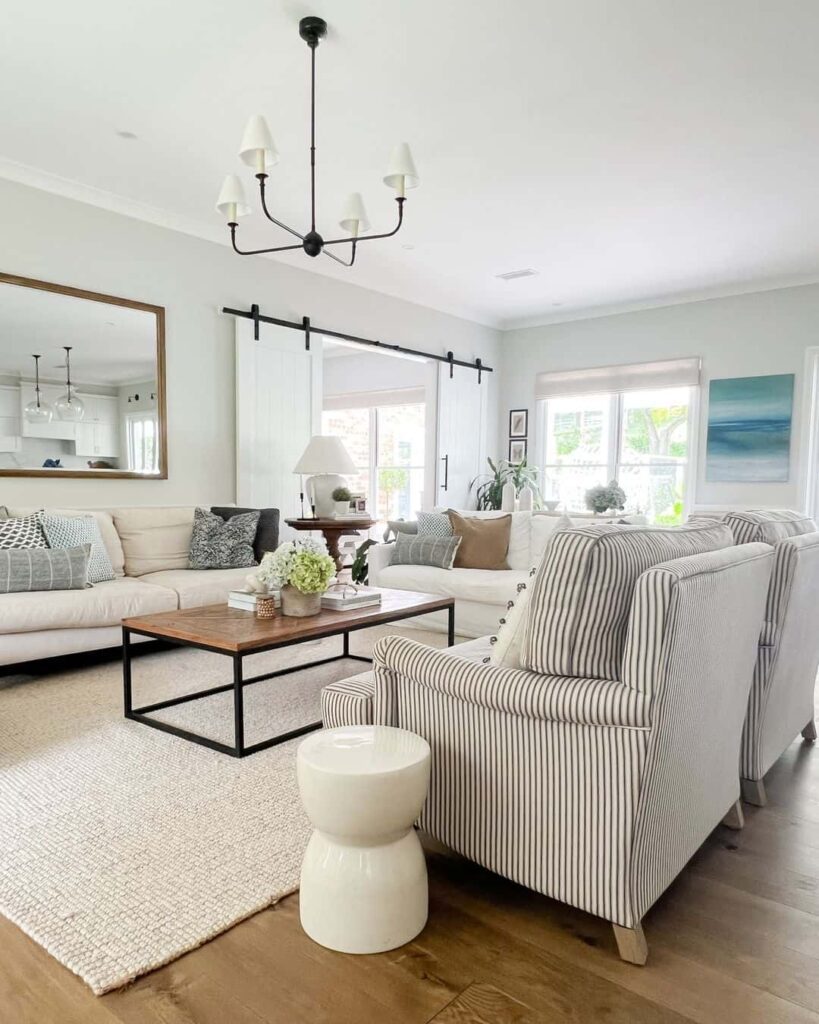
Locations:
(616, 400)
(372, 401)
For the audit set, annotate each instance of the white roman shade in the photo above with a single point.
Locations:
(666, 373)
(367, 399)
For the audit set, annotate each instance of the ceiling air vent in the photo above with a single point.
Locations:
(513, 275)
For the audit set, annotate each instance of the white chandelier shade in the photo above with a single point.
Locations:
(258, 152)
(257, 148)
(232, 202)
(401, 171)
(354, 217)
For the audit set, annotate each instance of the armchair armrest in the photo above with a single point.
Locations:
(399, 662)
(378, 558)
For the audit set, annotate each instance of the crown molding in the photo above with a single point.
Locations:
(661, 302)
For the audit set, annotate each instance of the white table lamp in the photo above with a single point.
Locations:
(325, 458)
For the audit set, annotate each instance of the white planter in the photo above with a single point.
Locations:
(299, 605)
(342, 509)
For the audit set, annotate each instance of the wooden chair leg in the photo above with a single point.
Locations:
(753, 792)
(631, 944)
(734, 818)
(809, 732)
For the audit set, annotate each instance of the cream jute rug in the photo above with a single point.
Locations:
(122, 847)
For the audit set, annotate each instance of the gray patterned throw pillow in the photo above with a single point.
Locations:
(220, 544)
(74, 531)
(424, 550)
(434, 524)
(23, 570)
(22, 532)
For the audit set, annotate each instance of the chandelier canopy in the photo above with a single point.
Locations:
(258, 151)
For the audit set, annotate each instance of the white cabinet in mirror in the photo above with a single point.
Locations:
(82, 387)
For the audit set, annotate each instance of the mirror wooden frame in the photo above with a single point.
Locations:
(111, 300)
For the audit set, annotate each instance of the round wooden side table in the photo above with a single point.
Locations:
(332, 530)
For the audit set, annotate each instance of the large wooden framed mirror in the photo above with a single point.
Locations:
(110, 420)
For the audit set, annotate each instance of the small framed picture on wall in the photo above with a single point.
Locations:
(519, 423)
(517, 450)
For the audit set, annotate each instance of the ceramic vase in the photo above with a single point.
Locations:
(299, 605)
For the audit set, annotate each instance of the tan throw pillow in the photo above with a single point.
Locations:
(484, 542)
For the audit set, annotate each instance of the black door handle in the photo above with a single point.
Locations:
(445, 484)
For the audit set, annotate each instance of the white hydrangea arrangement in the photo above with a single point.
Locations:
(302, 563)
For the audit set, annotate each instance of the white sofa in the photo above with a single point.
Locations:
(481, 595)
(148, 548)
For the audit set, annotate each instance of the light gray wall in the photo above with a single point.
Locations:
(63, 241)
(746, 335)
(371, 372)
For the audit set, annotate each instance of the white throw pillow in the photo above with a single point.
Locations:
(506, 645)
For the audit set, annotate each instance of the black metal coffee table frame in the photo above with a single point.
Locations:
(239, 748)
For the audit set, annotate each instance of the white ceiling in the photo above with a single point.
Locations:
(631, 152)
(111, 345)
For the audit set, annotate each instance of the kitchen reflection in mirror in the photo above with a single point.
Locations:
(82, 389)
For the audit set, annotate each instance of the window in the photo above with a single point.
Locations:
(386, 443)
(143, 442)
(641, 438)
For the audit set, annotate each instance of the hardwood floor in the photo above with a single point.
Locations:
(735, 939)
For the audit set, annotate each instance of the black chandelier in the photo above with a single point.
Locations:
(257, 150)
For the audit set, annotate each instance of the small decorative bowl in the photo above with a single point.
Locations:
(266, 607)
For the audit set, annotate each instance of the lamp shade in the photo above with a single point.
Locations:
(231, 201)
(325, 454)
(257, 149)
(401, 171)
(354, 217)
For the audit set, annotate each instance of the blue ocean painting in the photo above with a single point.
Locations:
(749, 429)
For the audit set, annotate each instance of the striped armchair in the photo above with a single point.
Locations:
(594, 771)
(781, 702)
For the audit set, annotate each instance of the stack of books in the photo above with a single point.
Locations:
(349, 597)
(247, 601)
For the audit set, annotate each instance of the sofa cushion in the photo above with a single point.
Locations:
(110, 537)
(154, 539)
(106, 604)
(425, 549)
(581, 596)
(73, 531)
(198, 587)
(22, 532)
(484, 542)
(26, 570)
(486, 586)
(218, 543)
(267, 532)
(768, 525)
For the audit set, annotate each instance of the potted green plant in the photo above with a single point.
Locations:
(489, 491)
(302, 569)
(341, 497)
(605, 497)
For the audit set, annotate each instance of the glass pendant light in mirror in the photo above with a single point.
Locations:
(38, 411)
(68, 406)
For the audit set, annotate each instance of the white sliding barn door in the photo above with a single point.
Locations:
(461, 435)
(278, 409)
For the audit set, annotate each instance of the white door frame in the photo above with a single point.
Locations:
(808, 461)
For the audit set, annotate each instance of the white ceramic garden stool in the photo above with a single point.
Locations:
(364, 877)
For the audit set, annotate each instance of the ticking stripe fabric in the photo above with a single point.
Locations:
(595, 792)
(781, 700)
(348, 701)
(23, 570)
(514, 691)
(581, 596)
(690, 777)
(768, 525)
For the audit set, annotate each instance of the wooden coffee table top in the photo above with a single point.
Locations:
(239, 632)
